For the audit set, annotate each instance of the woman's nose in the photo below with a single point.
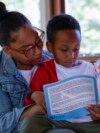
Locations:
(38, 50)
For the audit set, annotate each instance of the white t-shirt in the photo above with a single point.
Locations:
(81, 68)
(28, 74)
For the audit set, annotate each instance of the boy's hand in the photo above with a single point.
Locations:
(38, 109)
(94, 111)
(38, 97)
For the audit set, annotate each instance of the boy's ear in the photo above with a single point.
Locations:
(49, 46)
(7, 50)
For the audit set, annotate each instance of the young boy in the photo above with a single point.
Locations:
(63, 41)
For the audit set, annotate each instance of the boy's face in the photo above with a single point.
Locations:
(26, 50)
(65, 47)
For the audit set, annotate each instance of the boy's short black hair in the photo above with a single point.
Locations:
(61, 22)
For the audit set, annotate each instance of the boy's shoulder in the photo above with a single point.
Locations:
(45, 66)
(47, 63)
(86, 64)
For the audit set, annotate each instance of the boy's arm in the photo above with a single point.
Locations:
(40, 78)
(38, 97)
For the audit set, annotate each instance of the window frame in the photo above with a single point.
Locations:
(58, 7)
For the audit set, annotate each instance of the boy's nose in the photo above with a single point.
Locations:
(71, 54)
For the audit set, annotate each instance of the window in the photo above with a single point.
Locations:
(88, 14)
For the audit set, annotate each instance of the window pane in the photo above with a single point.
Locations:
(30, 8)
(88, 14)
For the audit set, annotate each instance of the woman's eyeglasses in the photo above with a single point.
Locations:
(41, 33)
(30, 50)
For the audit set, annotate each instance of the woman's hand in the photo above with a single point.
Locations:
(38, 97)
(94, 111)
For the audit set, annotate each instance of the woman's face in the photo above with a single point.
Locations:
(25, 47)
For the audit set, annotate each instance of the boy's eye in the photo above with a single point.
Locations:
(64, 50)
(76, 50)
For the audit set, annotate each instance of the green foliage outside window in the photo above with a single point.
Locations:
(88, 14)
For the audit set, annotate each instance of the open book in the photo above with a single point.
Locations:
(69, 98)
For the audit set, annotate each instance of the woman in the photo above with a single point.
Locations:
(21, 52)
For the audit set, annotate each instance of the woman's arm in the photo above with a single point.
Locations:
(9, 116)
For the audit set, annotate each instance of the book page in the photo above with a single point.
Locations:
(70, 95)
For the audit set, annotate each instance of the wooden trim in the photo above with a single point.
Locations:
(58, 7)
(90, 58)
(62, 6)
